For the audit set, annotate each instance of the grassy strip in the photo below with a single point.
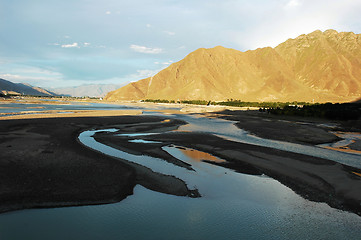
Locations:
(336, 111)
(344, 111)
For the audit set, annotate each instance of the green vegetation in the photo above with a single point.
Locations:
(3, 95)
(337, 111)
(195, 102)
(231, 103)
(158, 101)
(238, 103)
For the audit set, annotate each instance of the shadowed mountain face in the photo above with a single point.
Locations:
(320, 67)
(7, 87)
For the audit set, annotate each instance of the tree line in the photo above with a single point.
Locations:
(333, 111)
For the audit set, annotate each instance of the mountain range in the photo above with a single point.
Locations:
(320, 67)
(87, 90)
(10, 88)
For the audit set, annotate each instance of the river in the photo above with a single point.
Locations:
(232, 206)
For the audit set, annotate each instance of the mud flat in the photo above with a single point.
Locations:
(314, 178)
(42, 164)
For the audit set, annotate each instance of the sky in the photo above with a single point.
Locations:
(52, 43)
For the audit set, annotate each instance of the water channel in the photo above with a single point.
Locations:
(232, 206)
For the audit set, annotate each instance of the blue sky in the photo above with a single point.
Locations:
(52, 43)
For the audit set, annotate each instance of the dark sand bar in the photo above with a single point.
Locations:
(44, 165)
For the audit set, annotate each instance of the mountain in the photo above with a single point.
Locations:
(89, 90)
(320, 67)
(7, 87)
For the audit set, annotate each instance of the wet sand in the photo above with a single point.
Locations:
(43, 164)
(282, 128)
(314, 178)
(306, 131)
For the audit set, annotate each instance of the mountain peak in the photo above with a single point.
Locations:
(330, 32)
(320, 66)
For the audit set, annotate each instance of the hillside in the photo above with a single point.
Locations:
(7, 87)
(320, 67)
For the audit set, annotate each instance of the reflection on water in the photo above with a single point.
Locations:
(142, 141)
(26, 108)
(232, 206)
(346, 144)
(227, 130)
(198, 156)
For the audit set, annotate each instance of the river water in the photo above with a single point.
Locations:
(232, 206)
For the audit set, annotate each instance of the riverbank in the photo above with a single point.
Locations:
(51, 168)
(44, 165)
(300, 130)
(313, 178)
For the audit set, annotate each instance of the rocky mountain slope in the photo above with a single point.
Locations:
(7, 87)
(320, 67)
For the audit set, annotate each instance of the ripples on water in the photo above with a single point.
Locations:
(226, 129)
(233, 206)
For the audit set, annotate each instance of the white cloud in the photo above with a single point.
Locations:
(143, 49)
(279, 23)
(292, 4)
(35, 77)
(22, 78)
(144, 73)
(108, 12)
(170, 33)
(148, 25)
(72, 45)
(86, 44)
(164, 63)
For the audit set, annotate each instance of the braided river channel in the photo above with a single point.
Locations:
(233, 205)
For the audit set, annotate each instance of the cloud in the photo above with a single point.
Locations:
(148, 25)
(141, 74)
(33, 76)
(143, 49)
(170, 33)
(292, 4)
(25, 78)
(108, 12)
(164, 63)
(75, 45)
(72, 45)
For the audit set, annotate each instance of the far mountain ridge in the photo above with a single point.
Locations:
(8, 87)
(88, 90)
(320, 67)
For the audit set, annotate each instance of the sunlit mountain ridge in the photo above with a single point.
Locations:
(320, 67)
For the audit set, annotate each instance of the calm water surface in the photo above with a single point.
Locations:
(58, 105)
(232, 206)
